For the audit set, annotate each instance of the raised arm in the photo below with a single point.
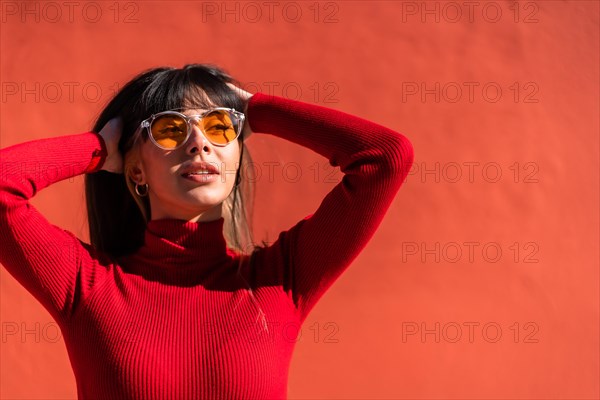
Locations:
(375, 161)
(51, 263)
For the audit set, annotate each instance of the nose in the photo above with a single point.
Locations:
(197, 142)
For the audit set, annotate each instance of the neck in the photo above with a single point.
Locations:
(211, 214)
(175, 248)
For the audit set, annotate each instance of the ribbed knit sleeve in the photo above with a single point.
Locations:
(49, 262)
(375, 161)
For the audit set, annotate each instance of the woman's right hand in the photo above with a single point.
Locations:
(111, 133)
(245, 96)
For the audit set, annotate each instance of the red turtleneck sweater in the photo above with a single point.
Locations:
(174, 320)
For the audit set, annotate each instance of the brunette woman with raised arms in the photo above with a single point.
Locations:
(172, 299)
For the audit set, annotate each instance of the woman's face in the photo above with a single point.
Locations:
(173, 195)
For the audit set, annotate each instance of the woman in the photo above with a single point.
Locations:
(172, 299)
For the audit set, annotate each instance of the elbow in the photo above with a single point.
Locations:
(398, 156)
(10, 195)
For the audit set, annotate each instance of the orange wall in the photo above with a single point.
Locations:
(511, 166)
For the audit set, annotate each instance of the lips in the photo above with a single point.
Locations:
(199, 167)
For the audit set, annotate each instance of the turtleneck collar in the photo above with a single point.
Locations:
(179, 245)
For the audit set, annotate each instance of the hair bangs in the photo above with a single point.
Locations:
(187, 88)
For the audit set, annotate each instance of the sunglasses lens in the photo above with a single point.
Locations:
(220, 126)
(169, 131)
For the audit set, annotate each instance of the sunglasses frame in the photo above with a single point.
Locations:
(147, 124)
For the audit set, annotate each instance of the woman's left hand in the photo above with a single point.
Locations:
(246, 97)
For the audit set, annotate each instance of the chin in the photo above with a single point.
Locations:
(206, 198)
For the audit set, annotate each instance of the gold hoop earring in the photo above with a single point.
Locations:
(138, 192)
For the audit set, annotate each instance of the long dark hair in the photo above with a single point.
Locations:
(117, 217)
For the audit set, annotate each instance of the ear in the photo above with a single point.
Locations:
(136, 173)
(135, 169)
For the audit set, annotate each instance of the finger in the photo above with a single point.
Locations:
(240, 92)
